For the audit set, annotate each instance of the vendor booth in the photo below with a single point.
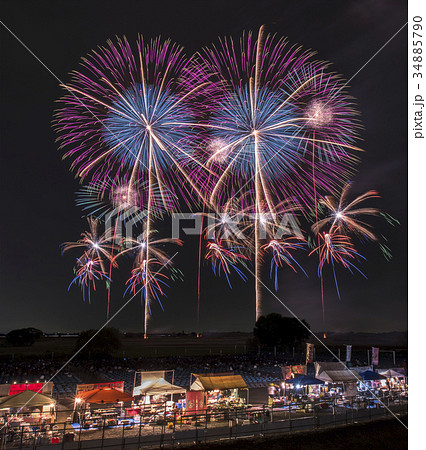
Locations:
(156, 387)
(305, 384)
(112, 401)
(373, 381)
(157, 398)
(396, 379)
(28, 408)
(222, 391)
(339, 379)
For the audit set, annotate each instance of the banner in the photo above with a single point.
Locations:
(375, 356)
(310, 353)
(119, 385)
(348, 353)
(195, 402)
(300, 369)
(18, 388)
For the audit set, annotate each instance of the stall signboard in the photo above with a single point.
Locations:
(119, 385)
(299, 369)
(196, 402)
(348, 353)
(288, 371)
(18, 388)
(375, 356)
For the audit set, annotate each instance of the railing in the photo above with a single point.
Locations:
(176, 429)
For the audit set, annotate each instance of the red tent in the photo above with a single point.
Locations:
(104, 395)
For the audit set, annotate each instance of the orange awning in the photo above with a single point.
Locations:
(104, 395)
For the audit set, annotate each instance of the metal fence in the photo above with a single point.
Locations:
(224, 424)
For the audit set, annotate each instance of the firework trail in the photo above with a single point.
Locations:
(87, 271)
(282, 255)
(270, 97)
(128, 116)
(337, 248)
(149, 255)
(225, 256)
(154, 281)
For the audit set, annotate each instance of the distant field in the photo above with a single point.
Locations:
(137, 346)
(214, 344)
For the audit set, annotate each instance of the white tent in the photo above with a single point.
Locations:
(333, 372)
(339, 376)
(393, 373)
(158, 386)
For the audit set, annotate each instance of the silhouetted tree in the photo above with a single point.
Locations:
(282, 332)
(23, 336)
(105, 342)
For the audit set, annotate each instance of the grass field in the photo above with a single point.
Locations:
(186, 345)
(190, 345)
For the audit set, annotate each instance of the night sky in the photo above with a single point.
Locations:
(38, 191)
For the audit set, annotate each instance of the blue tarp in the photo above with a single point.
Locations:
(369, 375)
(303, 380)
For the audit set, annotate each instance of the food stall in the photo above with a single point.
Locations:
(29, 408)
(112, 411)
(396, 379)
(373, 381)
(159, 399)
(222, 391)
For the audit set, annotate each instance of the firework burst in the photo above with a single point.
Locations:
(143, 279)
(225, 256)
(271, 99)
(334, 247)
(127, 116)
(150, 260)
(282, 255)
(97, 245)
(87, 272)
(343, 215)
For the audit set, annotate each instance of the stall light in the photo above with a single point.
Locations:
(298, 386)
(78, 400)
(52, 405)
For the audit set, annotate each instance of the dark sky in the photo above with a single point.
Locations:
(38, 191)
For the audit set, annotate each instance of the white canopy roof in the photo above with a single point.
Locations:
(157, 387)
(339, 376)
(396, 373)
(335, 372)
